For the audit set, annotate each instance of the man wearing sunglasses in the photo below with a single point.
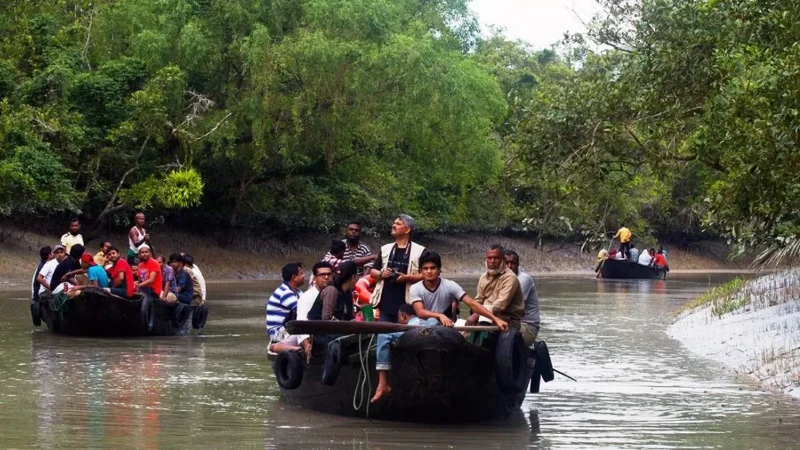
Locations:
(323, 277)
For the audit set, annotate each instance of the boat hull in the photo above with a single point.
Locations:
(98, 313)
(434, 379)
(623, 269)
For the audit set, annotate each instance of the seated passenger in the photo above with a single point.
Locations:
(335, 255)
(659, 261)
(100, 257)
(432, 298)
(120, 274)
(645, 258)
(335, 302)
(64, 271)
(499, 290)
(634, 252)
(282, 304)
(198, 281)
(95, 274)
(323, 277)
(530, 322)
(149, 271)
(181, 289)
(167, 277)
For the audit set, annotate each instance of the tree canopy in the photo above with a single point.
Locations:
(304, 114)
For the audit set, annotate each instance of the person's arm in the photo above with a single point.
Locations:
(365, 259)
(422, 313)
(411, 278)
(166, 289)
(40, 278)
(505, 292)
(329, 297)
(480, 309)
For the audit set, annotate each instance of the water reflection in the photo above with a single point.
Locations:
(636, 388)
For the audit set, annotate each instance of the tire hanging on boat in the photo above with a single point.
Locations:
(333, 360)
(146, 312)
(288, 369)
(199, 317)
(36, 315)
(180, 314)
(543, 362)
(511, 356)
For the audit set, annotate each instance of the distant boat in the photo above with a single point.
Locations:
(624, 269)
(436, 376)
(96, 312)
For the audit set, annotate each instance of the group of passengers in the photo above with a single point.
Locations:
(68, 268)
(628, 251)
(406, 287)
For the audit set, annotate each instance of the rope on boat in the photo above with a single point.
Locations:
(363, 377)
(59, 303)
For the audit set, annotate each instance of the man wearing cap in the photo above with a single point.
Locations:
(46, 273)
(62, 272)
(396, 270)
(150, 278)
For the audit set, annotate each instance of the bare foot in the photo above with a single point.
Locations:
(383, 389)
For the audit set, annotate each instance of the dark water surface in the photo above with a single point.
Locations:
(637, 388)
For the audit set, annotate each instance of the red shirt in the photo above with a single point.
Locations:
(121, 266)
(151, 265)
(659, 260)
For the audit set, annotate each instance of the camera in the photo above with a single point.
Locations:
(393, 276)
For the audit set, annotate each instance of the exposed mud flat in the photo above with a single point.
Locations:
(758, 337)
(262, 259)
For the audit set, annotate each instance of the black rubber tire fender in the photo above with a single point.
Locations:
(204, 316)
(511, 367)
(543, 362)
(36, 314)
(333, 361)
(288, 368)
(180, 314)
(146, 313)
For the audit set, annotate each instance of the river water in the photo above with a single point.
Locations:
(636, 387)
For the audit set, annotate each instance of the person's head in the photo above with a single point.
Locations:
(138, 219)
(323, 274)
(105, 246)
(494, 259)
(633, 245)
(405, 313)
(112, 254)
(46, 253)
(403, 226)
(160, 260)
(59, 252)
(345, 277)
(144, 252)
(176, 262)
(511, 259)
(292, 274)
(430, 264)
(337, 248)
(74, 227)
(353, 233)
(660, 250)
(76, 252)
(87, 261)
(652, 252)
(188, 260)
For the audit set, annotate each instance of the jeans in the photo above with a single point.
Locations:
(383, 352)
(625, 248)
(119, 292)
(149, 291)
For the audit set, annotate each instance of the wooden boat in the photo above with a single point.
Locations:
(96, 312)
(437, 376)
(624, 269)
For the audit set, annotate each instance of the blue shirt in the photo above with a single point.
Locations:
(183, 287)
(97, 273)
(282, 302)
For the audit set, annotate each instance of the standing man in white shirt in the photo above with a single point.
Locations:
(73, 236)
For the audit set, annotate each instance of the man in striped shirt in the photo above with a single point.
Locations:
(282, 305)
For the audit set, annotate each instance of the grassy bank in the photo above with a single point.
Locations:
(751, 326)
(251, 258)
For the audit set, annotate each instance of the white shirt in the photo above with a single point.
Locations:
(201, 280)
(644, 258)
(304, 305)
(47, 273)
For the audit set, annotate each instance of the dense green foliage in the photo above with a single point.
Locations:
(290, 114)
